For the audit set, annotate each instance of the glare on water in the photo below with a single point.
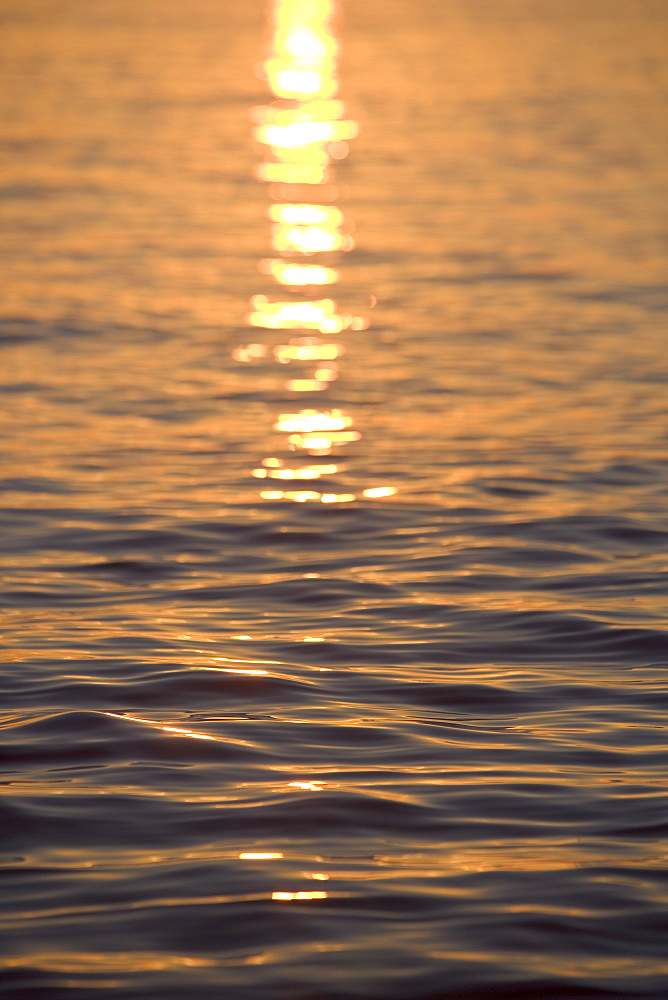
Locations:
(303, 132)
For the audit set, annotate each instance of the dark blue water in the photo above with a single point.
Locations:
(292, 716)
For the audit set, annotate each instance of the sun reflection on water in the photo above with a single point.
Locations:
(302, 132)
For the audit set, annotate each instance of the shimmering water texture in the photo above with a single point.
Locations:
(335, 509)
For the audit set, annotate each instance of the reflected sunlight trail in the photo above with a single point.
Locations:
(302, 132)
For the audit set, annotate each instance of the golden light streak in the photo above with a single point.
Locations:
(303, 496)
(298, 312)
(298, 83)
(380, 491)
(261, 856)
(315, 445)
(307, 421)
(299, 895)
(228, 659)
(232, 670)
(292, 173)
(303, 472)
(298, 134)
(313, 154)
(308, 239)
(337, 497)
(301, 351)
(322, 444)
(289, 273)
(316, 315)
(302, 65)
(305, 385)
(173, 729)
(306, 215)
(97, 962)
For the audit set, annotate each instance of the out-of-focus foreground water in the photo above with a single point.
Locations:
(335, 599)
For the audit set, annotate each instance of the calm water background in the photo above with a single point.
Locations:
(451, 729)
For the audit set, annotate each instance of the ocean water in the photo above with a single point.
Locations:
(334, 610)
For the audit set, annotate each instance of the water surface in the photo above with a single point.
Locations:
(292, 716)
